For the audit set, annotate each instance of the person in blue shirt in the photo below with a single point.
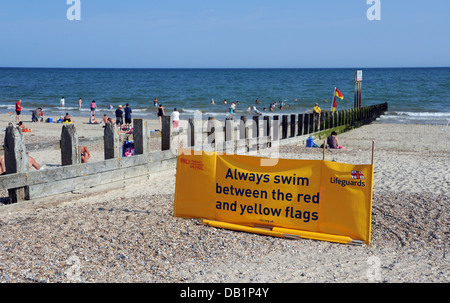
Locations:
(128, 113)
(119, 116)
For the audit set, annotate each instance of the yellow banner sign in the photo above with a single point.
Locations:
(309, 198)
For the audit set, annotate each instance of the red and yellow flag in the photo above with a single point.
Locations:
(339, 94)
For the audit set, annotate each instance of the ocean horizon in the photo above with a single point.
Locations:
(414, 94)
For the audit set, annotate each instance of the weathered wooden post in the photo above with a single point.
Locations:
(241, 142)
(243, 130)
(267, 130)
(70, 152)
(141, 136)
(306, 124)
(211, 130)
(321, 123)
(229, 135)
(16, 160)
(165, 132)
(111, 141)
(326, 124)
(292, 133)
(284, 126)
(311, 123)
(255, 134)
(300, 125)
(191, 132)
(276, 128)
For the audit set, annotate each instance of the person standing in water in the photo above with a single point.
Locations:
(160, 113)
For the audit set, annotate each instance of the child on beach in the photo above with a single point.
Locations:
(231, 109)
(175, 118)
(85, 155)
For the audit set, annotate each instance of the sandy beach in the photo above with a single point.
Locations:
(128, 233)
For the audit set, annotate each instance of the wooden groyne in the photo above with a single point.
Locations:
(254, 136)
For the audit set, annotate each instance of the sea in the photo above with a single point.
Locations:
(414, 95)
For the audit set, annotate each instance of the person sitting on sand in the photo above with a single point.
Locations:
(85, 155)
(67, 118)
(21, 125)
(36, 114)
(92, 120)
(332, 141)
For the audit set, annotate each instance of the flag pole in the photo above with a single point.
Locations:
(332, 99)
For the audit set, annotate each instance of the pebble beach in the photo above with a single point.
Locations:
(127, 232)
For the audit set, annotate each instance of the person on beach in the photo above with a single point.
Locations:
(67, 118)
(175, 118)
(333, 142)
(85, 155)
(160, 113)
(79, 103)
(31, 163)
(62, 101)
(128, 113)
(105, 120)
(18, 110)
(232, 109)
(92, 120)
(21, 125)
(119, 116)
(93, 107)
(316, 112)
(36, 114)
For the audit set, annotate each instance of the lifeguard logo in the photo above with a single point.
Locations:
(357, 175)
(358, 179)
(193, 164)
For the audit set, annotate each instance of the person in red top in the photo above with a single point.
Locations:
(18, 110)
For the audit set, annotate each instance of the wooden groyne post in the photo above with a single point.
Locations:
(111, 141)
(16, 160)
(70, 151)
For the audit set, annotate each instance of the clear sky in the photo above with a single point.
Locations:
(224, 34)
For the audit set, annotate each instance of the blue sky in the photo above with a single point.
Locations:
(224, 34)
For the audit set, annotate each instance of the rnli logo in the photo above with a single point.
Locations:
(357, 175)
